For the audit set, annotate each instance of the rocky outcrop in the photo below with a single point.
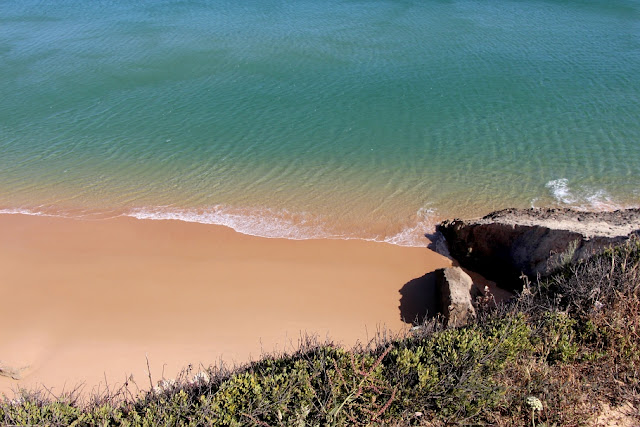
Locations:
(506, 244)
(457, 295)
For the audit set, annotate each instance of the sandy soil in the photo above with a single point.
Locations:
(88, 301)
(625, 415)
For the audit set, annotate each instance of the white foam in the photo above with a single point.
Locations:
(283, 224)
(20, 211)
(601, 200)
(409, 236)
(584, 198)
(258, 222)
(560, 190)
(266, 222)
(414, 235)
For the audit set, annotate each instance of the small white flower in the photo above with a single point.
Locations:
(534, 403)
(598, 305)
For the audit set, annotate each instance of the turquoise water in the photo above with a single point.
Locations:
(298, 119)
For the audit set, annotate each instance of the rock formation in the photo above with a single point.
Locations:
(506, 244)
(457, 295)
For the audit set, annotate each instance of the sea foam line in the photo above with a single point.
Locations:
(267, 223)
(262, 222)
(21, 211)
(283, 224)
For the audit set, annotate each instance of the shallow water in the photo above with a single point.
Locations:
(299, 119)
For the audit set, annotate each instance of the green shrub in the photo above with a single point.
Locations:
(557, 338)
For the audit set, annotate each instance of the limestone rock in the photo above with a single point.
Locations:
(457, 295)
(506, 244)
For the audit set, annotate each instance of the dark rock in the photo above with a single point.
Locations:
(506, 244)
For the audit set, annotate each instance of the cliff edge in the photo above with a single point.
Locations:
(506, 244)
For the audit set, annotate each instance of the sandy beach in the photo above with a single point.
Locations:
(88, 301)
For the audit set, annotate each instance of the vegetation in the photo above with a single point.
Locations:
(566, 346)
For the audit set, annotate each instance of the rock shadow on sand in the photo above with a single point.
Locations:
(419, 299)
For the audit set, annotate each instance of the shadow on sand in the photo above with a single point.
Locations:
(419, 299)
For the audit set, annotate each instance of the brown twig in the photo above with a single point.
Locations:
(146, 356)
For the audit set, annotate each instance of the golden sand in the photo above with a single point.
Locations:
(89, 301)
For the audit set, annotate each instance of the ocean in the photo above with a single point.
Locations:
(348, 119)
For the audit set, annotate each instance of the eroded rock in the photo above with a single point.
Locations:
(457, 293)
(506, 244)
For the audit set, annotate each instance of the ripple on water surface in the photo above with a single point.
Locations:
(305, 119)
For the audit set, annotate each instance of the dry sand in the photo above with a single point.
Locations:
(84, 301)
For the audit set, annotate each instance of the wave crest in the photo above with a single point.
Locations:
(283, 224)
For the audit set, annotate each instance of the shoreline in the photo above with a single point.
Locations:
(265, 223)
(405, 229)
(90, 300)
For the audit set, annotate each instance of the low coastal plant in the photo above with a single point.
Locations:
(552, 357)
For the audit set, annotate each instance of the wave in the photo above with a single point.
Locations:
(283, 224)
(583, 198)
(20, 211)
(263, 222)
(414, 235)
(260, 222)
(560, 190)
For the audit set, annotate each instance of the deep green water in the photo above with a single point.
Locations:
(352, 119)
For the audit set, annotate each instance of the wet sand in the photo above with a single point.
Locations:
(88, 301)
